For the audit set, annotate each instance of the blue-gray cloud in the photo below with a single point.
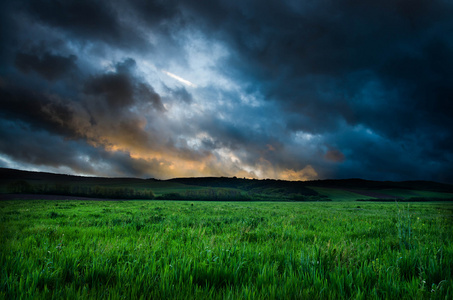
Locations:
(346, 88)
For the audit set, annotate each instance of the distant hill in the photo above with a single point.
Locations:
(220, 188)
(369, 184)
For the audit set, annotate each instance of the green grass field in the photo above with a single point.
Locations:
(404, 194)
(338, 194)
(225, 250)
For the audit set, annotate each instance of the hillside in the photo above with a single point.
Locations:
(220, 188)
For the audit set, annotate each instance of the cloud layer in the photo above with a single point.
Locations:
(282, 89)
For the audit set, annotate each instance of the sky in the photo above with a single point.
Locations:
(293, 90)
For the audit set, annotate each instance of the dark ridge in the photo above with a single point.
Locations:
(370, 184)
(13, 174)
(287, 187)
(280, 188)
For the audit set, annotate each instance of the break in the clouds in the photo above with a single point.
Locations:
(279, 89)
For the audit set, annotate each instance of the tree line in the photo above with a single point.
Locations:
(23, 187)
(118, 192)
(214, 194)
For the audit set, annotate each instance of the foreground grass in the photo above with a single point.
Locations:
(228, 250)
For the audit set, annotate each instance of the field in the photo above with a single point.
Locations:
(225, 250)
(339, 194)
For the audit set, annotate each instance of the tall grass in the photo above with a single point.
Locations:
(154, 250)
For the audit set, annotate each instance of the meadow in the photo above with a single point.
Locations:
(225, 250)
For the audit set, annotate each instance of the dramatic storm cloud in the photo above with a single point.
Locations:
(278, 89)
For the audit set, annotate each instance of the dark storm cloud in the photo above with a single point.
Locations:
(384, 65)
(181, 94)
(313, 58)
(156, 12)
(338, 88)
(92, 20)
(147, 94)
(49, 66)
(100, 113)
(120, 89)
(103, 120)
(40, 148)
(116, 88)
(334, 155)
(383, 157)
(32, 107)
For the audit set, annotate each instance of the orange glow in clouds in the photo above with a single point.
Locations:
(171, 165)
